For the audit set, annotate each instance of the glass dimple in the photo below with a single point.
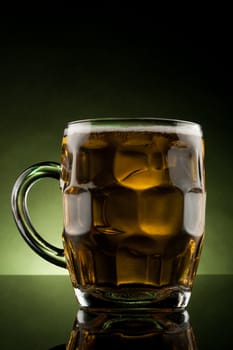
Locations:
(183, 166)
(141, 165)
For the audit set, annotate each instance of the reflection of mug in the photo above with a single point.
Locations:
(134, 210)
(132, 331)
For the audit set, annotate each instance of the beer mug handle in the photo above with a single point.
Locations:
(21, 215)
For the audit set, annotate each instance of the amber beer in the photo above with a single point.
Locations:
(134, 210)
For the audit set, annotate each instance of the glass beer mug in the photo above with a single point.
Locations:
(133, 210)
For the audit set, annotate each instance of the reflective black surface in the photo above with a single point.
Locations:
(132, 330)
(40, 312)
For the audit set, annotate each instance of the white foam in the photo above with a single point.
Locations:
(187, 128)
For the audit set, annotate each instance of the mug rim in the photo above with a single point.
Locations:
(137, 123)
(133, 119)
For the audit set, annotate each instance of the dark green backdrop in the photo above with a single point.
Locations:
(61, 69)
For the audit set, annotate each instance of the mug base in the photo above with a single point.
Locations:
(166, 298)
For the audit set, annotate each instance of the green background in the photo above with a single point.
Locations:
(67, 68)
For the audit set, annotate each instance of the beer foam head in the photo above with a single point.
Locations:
(134, 125)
